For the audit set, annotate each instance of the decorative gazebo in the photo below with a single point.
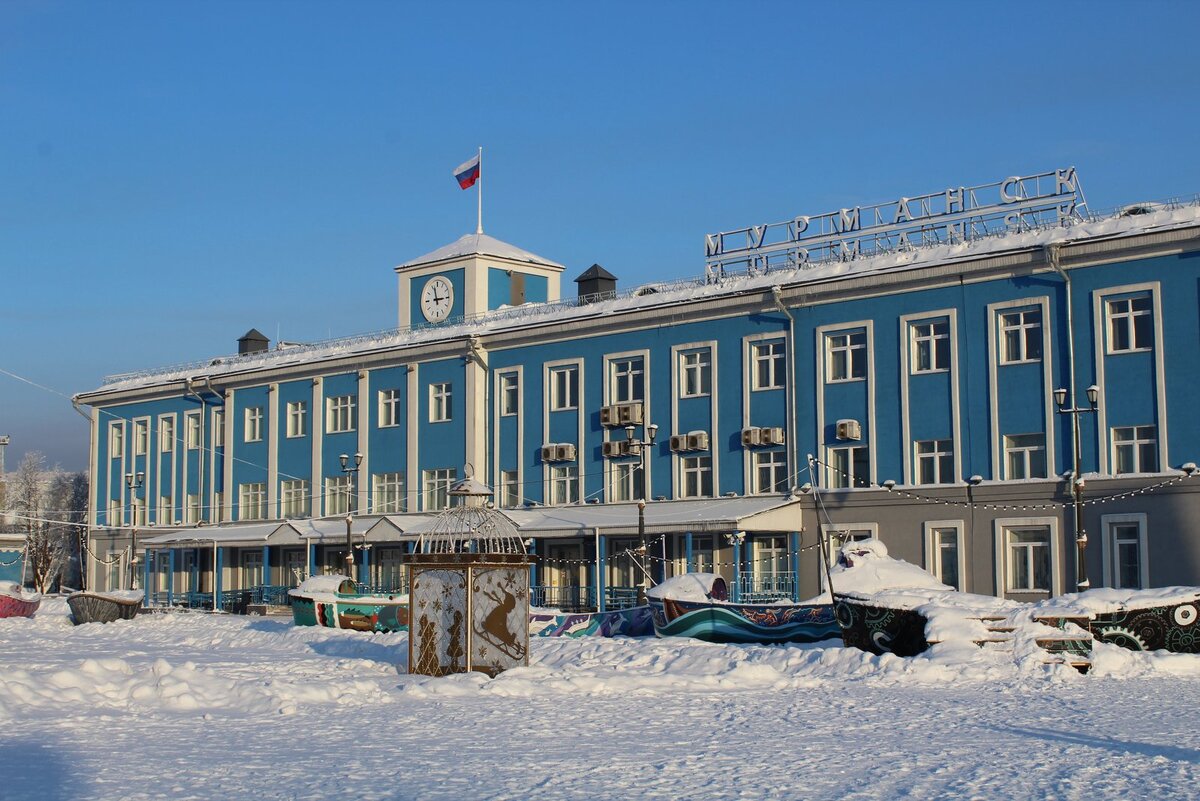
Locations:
(468, 590)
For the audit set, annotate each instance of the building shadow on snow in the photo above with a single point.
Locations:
(1107, 743)
(271, 626)
(36, 771)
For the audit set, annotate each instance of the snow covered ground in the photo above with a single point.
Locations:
(192, 706)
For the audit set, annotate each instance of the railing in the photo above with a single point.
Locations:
(568, 599)
(620, 597)
(393, 588)
(764, 587)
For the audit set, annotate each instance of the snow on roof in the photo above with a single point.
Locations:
(251, 534)
(669, 294)
(479, 245)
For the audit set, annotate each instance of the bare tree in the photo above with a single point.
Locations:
(67, 498)
(46, 546)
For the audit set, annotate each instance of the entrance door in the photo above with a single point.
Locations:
(770, 575)
(252, 568)
(391, 571)
(566, 576)
(294, 567)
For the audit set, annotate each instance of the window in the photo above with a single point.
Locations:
(191, 425)
(935, 461)
(770, 471)
(436, 488)
(1029, 559)
(627, 380)
(116, 440)
(254, 418)
(1021, 336)
(115, 517)
(510, 489)
(166, 434)
(695, 373)
(564, 388)
(1124, 550)
(930, 347)
(141, 437)
(389, 408)
(293, 496)
(387, 493)
(439, 403)
(768, 367)
(627, 482)
(1129, 325)
(191, 515)
(849, 467)
(846, 356)
(139, 511)
(218, 507)
(297, 419)
(165, 515)
(1025, 456)
(509, 394)
(1135, 449)
(337, 496)
(252, 501)
(944, 549)
(340, 413)
(218, 428)
(696, 478)
(564, 484)
(702, 553)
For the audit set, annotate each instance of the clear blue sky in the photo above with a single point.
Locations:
(173, 174)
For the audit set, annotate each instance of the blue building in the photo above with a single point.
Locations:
(886, 370)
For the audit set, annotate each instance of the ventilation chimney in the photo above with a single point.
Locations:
(595, 284)
(252, 342)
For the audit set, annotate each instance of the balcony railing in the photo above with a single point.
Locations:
(765, 587)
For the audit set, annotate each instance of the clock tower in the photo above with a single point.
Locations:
(474, 274)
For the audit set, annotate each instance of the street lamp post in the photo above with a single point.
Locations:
(352, 472)
(638, 448)
(134, 481)
(1060, 401)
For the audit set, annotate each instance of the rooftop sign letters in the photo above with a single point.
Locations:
(954, 215)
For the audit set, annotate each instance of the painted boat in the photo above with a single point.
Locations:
(633, 622)
(104, 607)
(878, 629)
(16, 602)
(695, 605)
(1163, 619)
(333, 602)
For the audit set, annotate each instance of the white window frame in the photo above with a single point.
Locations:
(218, 428)
(116, 440)
(389, 493)
(775, 460)
(1136, 444)
(252, 500)
(508, 394)
(389, 408)
(1109, 551)
(192, 510)
(834, 475)
(141, 436)
(218, 509)
(1027, 331)
(564, 484)
(166, 433)
(193, 436)
(929, 333)
(509, 489)
(770, 354)
(623, 375)
(695, 373)
(568, 388)
(165, 514)
(294, 501)
(937, 454)
(337, 496)
(1001, 527)
(1127, 318)
(933, 549)
(435, 488)
(697, 469)
(341, 414)
(845, 343)
(623, 481)
(1025, 452)
(297, 419)
(441, 402)
(253, 430)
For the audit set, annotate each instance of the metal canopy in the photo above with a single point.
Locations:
(697, 516)
(269, 533)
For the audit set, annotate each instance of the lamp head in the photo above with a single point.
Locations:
(344, 459)
(1060, 397)
(629, 429)
(652, 431)
(1093, 393)
(358, 457)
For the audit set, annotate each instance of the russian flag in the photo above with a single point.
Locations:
(467, 173)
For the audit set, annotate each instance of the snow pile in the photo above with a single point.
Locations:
(14, 590)
(864, 568)
(1104, 600)
(323, 588)
(690, 587)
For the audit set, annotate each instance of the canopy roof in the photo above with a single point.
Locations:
(479, 245)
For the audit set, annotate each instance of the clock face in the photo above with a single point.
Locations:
(436, 299)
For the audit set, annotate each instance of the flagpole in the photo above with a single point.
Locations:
(479, 217)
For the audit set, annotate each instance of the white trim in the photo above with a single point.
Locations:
(273, 452)
(227, 486)
(316, 421)
(1100, 348)
(364, 441)
(906, 321)
(995, 445)
(1109, 561)
(819, 334)
(1000, 541)
(676, 364)
(415, 481)
(577, 363)
(933, 551)
(647, 419)
(93, 484)
(498, 401)
(748, 341)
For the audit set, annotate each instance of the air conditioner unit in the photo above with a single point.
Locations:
(548, 452)
(849, 429)
(631, 413)
(697, 440)
(775, 435)
(615, 448)
(564, 453)
(679, 442)
(751, 436)
(610, 415)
